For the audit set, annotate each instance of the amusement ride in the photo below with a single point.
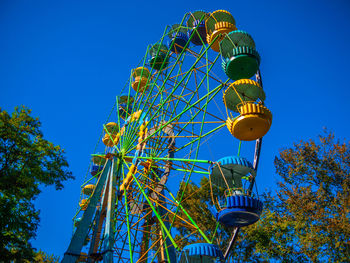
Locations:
(197, 88)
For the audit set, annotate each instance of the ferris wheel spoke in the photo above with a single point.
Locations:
(211, 93)
(184, 77)
(190, 173)
(155, 212)
(163, 81)
(193, 116)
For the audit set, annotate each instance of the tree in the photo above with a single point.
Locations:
(42, 257)
(314, 198)
(27, 161)
(307, 218)
(196, 201)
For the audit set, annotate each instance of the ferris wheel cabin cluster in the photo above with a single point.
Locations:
(129, 211)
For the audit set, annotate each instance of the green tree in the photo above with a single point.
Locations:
(313, 199)
(307, 218)
(42, 257)
(196, 201)
(27, 161)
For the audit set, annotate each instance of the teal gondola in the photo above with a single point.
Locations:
(240, 58)
(159, 58)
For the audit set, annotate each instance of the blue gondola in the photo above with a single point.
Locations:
(239, 210)
(196, 23)
(95, 169)
(178, 38)
(236, 208)
(201, 253)
(123, 101)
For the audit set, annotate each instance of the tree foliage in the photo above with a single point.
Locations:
(42, 257)
(307, 217)
(196, 201)
(27, 161)
(314, 198)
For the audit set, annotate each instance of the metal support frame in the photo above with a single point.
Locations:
(108, 236)
(77, 241)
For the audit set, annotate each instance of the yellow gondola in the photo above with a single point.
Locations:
(219, 24)
(243, 90)
(111, 132)
(140, 75)
(88, 189)
(253, 122)
(99, 159)
(84, 204)
(108, 140)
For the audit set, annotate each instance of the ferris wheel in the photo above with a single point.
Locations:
(197, 89)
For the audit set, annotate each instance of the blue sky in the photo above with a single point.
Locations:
(67, 60)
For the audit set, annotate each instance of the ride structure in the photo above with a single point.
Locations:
(171, 126)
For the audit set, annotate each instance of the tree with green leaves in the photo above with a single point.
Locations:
(307, 217)
(27, 161)
(196, 200)
(42, 257)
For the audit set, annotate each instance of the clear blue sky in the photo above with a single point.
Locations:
(67, 60)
